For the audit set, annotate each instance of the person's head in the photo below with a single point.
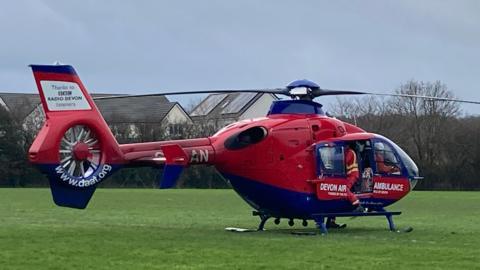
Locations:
(379, 147)
(360, 146)
(351, 145)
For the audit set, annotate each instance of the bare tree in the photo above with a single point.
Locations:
(370, 113)
(425, 121)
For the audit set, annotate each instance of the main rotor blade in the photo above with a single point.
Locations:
(343, 92)
(426, 97)
(328, 92)
(280, 91)
(285, 91)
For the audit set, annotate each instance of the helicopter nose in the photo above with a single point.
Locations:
(410, 166)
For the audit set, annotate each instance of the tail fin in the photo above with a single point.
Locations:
(75, 148)
(176, 160)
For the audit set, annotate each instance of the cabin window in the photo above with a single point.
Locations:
(246, 138)
(331, 160)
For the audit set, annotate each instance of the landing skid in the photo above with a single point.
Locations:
(321, 220)
(322, 226)
(234, 229)
(263, 219)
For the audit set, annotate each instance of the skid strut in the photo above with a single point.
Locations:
(263, 219)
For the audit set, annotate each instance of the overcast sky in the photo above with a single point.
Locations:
(153, 46)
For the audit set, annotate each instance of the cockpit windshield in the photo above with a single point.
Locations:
(386, 162)
(410, 166)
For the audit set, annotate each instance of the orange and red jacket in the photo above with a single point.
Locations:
(351, 163)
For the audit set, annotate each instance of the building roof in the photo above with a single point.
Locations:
(135, 109)
(221, 106)
(130, 109)
(20, 104)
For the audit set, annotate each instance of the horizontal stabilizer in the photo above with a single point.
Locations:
(176, 160)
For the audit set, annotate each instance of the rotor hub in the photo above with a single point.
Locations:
(303, 89)
(303, 83)
(81, 151)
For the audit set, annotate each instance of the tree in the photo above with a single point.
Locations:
(425, 123)
(444, 145)
(370, 113)
(12, 152)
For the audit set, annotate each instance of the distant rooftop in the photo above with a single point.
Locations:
(224, 105)
(129, 109)
(135, 109)
(20, 104)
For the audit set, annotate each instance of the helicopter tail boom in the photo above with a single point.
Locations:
(172, 155)
(75, 147)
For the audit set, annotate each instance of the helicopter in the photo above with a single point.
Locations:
(289, 164)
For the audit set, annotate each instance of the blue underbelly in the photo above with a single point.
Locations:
(281, 202)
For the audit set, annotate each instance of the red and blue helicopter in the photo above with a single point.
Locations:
(289, 164)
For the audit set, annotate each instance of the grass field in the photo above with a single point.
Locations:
(184, 229)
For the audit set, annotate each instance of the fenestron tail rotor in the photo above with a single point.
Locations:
(80, 152)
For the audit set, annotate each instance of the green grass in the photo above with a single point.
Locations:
(184, 229)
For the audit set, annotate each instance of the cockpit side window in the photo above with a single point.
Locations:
(385, 159)
(331, 160)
